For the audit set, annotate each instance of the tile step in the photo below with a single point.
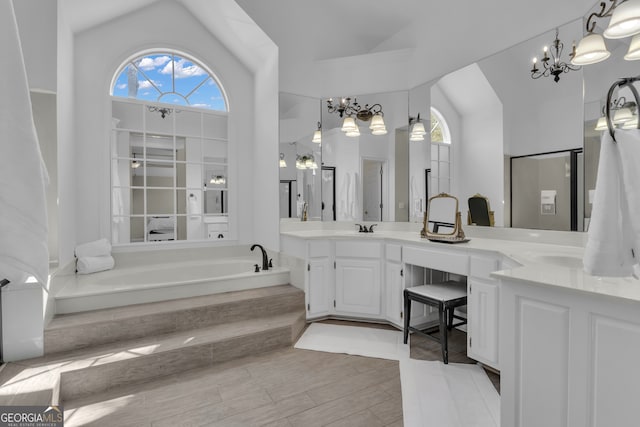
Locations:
(80, 330)
(84, 372)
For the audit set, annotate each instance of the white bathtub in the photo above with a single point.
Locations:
(139, 278)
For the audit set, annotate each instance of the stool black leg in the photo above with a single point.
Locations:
(450, 311)
(443, 333)
(407, 315)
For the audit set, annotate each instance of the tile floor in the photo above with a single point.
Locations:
(288, 387)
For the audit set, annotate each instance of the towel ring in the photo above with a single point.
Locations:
(628, 82)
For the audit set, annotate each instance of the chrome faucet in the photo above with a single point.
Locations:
(265, 259)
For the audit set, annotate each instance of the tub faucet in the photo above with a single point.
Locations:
(265, 259)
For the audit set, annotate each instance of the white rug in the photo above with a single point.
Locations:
(433, 394)
(369, 342)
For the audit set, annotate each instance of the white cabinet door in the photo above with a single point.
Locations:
(319, 287)
(482, 312)
(394, 287)
(358, 286)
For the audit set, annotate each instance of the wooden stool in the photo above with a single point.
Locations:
(446, 296)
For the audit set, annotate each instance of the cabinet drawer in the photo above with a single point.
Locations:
(393, 252)
(448, 261)
(319, 248)
(358, 249)
(482, 267)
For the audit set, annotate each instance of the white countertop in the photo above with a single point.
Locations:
(543, 258)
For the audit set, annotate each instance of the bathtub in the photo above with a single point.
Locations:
(141, 278)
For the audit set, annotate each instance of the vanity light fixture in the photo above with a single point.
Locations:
(624, 115)
(624, 22)
(551, 64)
(317, 134)
(218, 179)
(417, 129)
(283, 163)
(306, 161)
(354, 111)
(135, 164)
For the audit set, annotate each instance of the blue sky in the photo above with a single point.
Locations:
(153, 74)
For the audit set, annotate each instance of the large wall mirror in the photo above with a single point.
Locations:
(528, 145)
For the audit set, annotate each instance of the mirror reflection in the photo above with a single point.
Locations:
(442, 220)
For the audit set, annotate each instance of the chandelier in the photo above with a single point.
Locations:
(354, 111)
(624, 22)
(550, 62)
(306, 161)
(624, 115)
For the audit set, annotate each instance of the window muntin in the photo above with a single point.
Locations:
(170, 78)
(441, 159)
(439, 129)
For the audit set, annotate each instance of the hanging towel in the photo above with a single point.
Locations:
(629, 148)
(23, 176)
(194, 206)
(93, 264)
(96, 248)
(609, 243)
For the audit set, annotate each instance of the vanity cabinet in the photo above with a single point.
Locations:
(319, 295)
(394, 284)
(483, 294)
(358, 284)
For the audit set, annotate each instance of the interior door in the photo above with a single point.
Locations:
(372, 174)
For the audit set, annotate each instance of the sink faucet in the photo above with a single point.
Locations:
(265, 259)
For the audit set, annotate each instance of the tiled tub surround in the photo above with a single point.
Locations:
(160, 275)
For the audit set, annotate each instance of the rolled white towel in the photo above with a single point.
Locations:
(96, 248)
(93, 264)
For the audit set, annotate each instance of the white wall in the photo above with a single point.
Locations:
(65, 98)
(38, 28)
(539, 115)
(99, 52)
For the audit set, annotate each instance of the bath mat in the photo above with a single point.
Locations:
(433, 394)
(355, 340)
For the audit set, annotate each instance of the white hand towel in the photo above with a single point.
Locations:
(96, 248)
(23, 176)
(629, 148)
(194, 206)
(93, 264)
(607, 252)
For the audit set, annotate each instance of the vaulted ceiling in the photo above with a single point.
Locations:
(440, 36)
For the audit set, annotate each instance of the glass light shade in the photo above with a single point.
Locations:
(379, 131)
(135, 164)
(349, 125)
(308, 163)
(377, 122)
(317, 136)
(634, 49)
(416, 137)
(590, 50)
(602, 124)
(622, 115)
(299, 164)
(314, 165)
(354, 133)
(283, 164)
(631, 124)
(418, 129)
(625, 20)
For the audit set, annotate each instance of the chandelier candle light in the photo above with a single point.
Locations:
(355, 111)
(551, 65)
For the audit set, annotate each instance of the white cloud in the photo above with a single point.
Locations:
(146, 84)
(181, 71)
(201, 105)
(148, 63)
(122, 86)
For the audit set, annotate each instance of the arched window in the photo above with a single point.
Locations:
(169, 152)
(441, 159)
(169, 78)
(439, 129)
